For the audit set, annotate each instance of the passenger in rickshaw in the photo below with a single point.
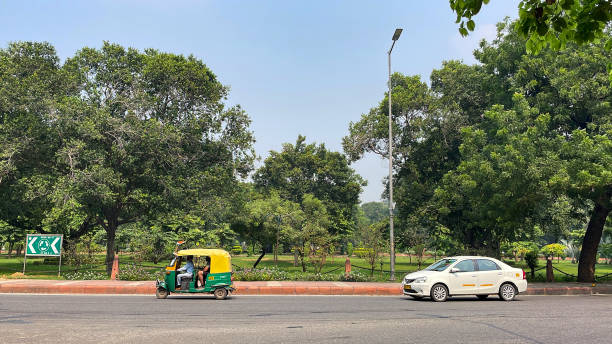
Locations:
(202, 273)
(188, 268)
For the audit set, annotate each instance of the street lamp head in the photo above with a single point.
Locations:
(396, 34)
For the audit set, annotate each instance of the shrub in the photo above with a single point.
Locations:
(349, 249)
(85, 275)
(553, 250)
(236, 249)
(354, 277)
(265, 274)
(531, 258)
(133, 272)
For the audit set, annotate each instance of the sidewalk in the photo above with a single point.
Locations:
(268, 288)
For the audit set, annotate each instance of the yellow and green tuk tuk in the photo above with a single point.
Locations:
(211, 266)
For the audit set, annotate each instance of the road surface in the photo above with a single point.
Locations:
(301, 319)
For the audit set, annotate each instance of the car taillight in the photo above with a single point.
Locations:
(524, 275)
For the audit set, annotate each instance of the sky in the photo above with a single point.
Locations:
(296, 67)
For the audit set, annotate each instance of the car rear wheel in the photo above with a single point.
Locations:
(439, 293)
(220, 293)
(161, 293)
(507, 292)
(482, 297)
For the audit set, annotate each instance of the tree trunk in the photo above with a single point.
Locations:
(295, 257)
(19, 247)
(10, 249)
(111, 230)
(302, 260)
(588, 254)
(263, 253)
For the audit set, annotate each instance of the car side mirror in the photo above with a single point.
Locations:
(453, 270)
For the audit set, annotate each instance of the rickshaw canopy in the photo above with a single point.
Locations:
(220, 260)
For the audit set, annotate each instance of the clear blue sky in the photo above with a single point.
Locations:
(297, 67)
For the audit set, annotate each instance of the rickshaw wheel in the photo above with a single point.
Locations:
(161, 293)
(220, 293)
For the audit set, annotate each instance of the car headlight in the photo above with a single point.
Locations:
(420, 280)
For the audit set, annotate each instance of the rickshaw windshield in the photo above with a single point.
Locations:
(172, 262)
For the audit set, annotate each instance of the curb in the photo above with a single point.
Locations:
(262, 288)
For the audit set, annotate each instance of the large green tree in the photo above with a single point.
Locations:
(31, 82)
(545, 23)
(146, 133)
(301, 169)
(116, 136)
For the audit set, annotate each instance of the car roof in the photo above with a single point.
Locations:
(470, 257)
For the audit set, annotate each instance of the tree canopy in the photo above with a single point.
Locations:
(116, 136)
(502, 150)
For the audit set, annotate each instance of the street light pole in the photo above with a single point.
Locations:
(396, 36)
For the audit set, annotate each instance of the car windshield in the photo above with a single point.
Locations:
(440, 265)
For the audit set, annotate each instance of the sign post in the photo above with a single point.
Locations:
(48, 245)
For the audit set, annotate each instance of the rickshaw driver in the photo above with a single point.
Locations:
(188, 268)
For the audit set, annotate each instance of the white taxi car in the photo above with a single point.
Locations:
(466, 275)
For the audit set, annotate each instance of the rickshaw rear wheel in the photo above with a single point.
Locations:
(161, 293)
(220, 293)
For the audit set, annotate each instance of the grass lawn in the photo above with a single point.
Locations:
(46, 268)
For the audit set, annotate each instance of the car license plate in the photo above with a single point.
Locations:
(407, 287)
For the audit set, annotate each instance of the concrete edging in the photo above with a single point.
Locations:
(265, 288)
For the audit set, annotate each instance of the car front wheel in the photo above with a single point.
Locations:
(439, 292)
(507, 292)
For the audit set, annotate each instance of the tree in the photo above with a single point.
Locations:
(309, 232)
(302, 169)
(372, 240)
(518, 151)
(143, 135)
(553, 250)
(375, 211)
(266, 220)
(31, 83)
(551, 23)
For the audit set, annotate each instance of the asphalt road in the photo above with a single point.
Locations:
(301, 319)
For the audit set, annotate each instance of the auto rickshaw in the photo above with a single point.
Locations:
(218, 281)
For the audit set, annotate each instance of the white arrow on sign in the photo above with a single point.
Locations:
(53, 245)
(30, 244)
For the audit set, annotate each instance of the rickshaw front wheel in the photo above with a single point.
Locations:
(161, 293)
(220, 293)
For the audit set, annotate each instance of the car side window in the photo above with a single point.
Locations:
(465, 265)
(487, 265)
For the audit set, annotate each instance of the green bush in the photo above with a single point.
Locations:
(354, 277)
(362, 252)
(133, 272)
(85, 275)
(265, 274)
(531, 258)
(553, 250)
(236, 249)
(349, 249)
(273, 274)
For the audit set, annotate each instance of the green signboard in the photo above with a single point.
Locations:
(44, 245)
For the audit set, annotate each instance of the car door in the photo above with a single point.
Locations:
(489, 276)
(463, 281)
